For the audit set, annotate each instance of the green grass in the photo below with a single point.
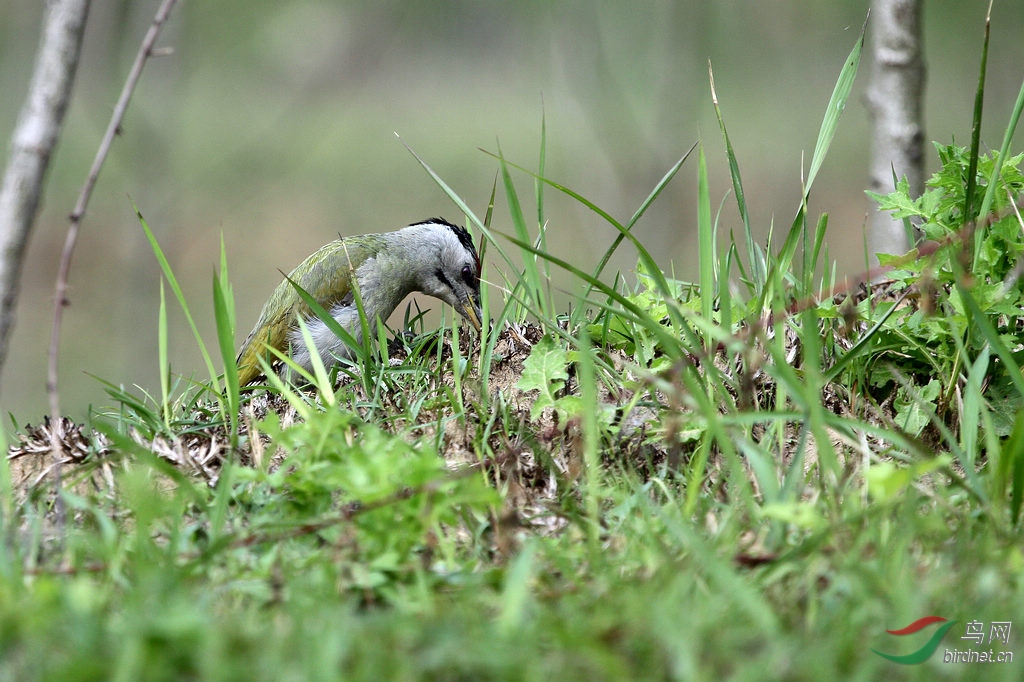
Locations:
(750, 477)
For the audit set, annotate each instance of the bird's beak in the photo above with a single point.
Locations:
(471, 311)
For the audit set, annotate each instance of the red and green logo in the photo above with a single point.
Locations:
(925, 652)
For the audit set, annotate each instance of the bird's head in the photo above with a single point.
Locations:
(446, 265)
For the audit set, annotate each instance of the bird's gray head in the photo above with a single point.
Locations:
(449, 267)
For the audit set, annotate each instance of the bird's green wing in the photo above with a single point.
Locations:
(326, 275)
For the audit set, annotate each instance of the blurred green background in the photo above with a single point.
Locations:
(273, 124)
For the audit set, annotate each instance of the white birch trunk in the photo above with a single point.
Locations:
(894, 101)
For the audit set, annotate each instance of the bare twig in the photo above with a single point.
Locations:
(32, 144)
(60, 298)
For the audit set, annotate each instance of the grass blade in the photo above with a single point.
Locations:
(706, 243)
(224, 316)
(979, 101)
(462, 205)
(754, 257)
(165, 267)
(531, 275)
(1004, 151)
(836, 106)
(164, 364)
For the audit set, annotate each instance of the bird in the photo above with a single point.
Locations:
(432, 256)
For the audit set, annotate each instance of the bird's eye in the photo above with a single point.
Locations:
(469, 276)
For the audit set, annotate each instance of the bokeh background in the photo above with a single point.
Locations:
(273, 125)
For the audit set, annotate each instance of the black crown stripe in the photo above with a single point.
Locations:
(463, 235)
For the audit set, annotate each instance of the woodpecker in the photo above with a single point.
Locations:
(434, 257)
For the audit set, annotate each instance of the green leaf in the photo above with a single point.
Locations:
(898, 202)
(911, 414)
(545, 371)
(836, 105)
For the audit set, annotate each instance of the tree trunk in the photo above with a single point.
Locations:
(32, 143)
(894, 100)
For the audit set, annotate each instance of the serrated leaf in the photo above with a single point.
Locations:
(898, 202)
(911, 412)
(544, 371)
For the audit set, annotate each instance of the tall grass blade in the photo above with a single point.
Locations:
(644, 205)
(836, 106)
(992, 337)
(979, 101)
(516, 593)
(754, 256)
(538, 186)
(829, 123)
(531, 275)
(165, 267)
(973, 402)
(462, 205)
(670, 342)
(646, 260)
(488, 215)
(224, 315)
(811, 263)
(706, 244)
(724, 294)
(164, 363)
(1010, 469)
(993, 179)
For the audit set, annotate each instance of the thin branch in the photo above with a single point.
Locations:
(60, 298)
